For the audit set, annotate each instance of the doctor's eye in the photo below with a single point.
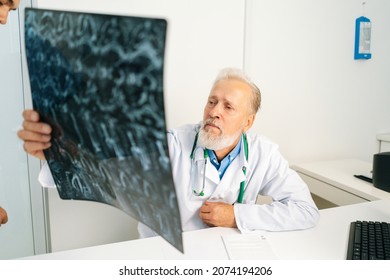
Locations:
(211, 102)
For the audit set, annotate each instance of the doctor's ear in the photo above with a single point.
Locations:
(249, 122)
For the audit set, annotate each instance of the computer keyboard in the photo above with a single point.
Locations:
(369, 240)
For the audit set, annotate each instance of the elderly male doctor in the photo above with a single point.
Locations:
(218, 168)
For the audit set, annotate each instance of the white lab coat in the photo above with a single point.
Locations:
(268, 173)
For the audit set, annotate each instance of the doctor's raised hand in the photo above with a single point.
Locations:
(36, 135)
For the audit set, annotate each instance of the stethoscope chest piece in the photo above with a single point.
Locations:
(201, 193)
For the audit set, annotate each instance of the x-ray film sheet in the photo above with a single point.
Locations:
(98, 81)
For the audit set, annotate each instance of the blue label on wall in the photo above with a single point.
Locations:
(362, 38)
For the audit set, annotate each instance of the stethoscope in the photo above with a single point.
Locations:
(205, 156)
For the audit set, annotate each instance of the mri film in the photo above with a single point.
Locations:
(98, 81)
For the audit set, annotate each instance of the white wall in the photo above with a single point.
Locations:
(318, 102)
(203, 37)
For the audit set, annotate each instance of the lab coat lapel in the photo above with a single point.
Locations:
(228, 189)
(211, 171)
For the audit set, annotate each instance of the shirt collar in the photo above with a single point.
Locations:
(224, 164)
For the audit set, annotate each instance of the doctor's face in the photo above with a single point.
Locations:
(5, 7)
(227, 113)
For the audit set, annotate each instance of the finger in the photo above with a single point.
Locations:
(36, 148)
(212, 203)
(31, 115)
(27, 135)
(32, 147)
(37, 127)
(205, 209)
(209, 224)
(3, 219)
(205, 217)
(38, 154)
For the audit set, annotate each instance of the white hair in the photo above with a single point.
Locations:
(235, 73)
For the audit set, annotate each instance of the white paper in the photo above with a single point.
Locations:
(248, 247)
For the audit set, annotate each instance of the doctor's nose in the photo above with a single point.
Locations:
(215, 112)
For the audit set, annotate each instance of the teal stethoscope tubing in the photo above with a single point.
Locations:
(205, 156)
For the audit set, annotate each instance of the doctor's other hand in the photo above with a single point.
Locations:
(3, 216)
(218, 214)
(36, 135)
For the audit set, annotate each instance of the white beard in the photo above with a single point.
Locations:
(215, 142)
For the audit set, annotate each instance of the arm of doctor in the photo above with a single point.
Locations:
(218, 214)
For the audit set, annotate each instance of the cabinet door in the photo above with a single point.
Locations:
(330, 193)
(24, 234)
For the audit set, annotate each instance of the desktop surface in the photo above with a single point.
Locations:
(327, 241)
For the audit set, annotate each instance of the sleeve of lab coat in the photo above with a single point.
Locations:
(292, 207)
(45, 178)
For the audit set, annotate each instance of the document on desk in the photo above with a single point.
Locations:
(252, 246)
(98, 81)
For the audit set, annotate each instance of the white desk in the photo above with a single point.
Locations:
(328, 240)
(334, 181)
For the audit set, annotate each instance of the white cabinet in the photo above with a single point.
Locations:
(330, 191)
(334, 181)
(384, 142)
